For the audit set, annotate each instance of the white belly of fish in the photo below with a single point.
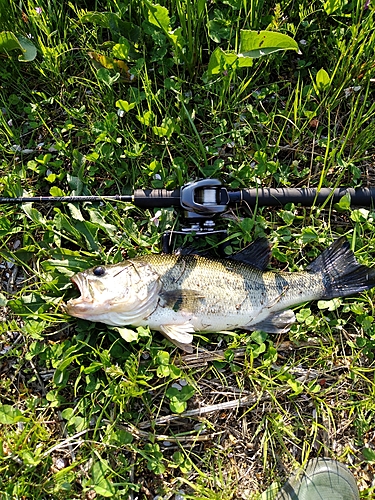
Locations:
(162, 317)
(167, 320)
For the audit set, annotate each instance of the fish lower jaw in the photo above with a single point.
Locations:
(81, 308)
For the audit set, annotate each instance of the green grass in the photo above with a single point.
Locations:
(124, 96)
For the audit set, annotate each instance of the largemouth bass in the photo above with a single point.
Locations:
(180, 295)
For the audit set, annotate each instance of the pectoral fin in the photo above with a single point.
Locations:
(278, 322)
(180, 335)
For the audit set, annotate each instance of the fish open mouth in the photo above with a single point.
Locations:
(75, 282)
(81, 285)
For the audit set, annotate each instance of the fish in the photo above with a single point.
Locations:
(179, 295)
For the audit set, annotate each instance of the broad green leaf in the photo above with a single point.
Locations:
(89, 232)
(156, 466)
(218, 30)
(67, 413)
(105, 488)
(331, 304)
(259, 337)
(163, 358)
(147, 118)
(170, 125)
(322, 79)
(200, 7)
(177, 406)
(369, 454)
(160, 131)
(99, 470)
(9, 41)
(28, 49)
(99, 18)
(125, 105)
(62, 222)
(27, 304)
(220, 61)
(34, 329)
(357, 308)
(79, 423)
(122, 437)
(295, 386)
(172, 393)
(344, 202)
(121, 50)
(10, 415)
(360, 215)
(97, 219)
(33, 214)
(366, 322)
(187, 392)
(104, 76)
(30, 458)
(331, 6)
(93, 367)
(303, 314)
(75, 212)
(162, 371)
(126, 333)
(309, 234)
(102, 485)
(51, 178)
(55, 191)
(255, 44)
(183, 394)
(177, 39)
(60, 378)
(159, 16)
(113, 22)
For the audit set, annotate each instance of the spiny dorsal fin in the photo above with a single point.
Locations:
(257, 254)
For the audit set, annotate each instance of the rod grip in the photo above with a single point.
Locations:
(272, 197)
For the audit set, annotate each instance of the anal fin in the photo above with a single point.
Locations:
(180, 335)
(278, 322)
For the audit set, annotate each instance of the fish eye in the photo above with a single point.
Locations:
(99, 271)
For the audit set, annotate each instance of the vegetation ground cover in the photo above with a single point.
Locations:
(103, 97)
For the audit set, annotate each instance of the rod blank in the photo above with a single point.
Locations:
(157, 198)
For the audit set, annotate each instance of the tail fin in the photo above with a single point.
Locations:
(342, 274)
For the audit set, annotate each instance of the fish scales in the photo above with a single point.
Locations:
(227, 284)
(180, 295)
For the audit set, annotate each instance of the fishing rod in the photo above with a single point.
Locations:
(209, 197)
(204, 199)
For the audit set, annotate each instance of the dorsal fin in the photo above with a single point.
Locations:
(257, 254)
